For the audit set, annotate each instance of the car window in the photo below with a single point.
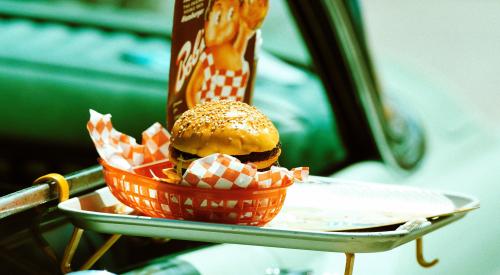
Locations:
(60, 58)
(289, 91)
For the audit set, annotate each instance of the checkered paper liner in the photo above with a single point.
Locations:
(216, 188)
(221, 171)
(122, 150)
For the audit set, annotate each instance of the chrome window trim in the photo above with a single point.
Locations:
(365, 87)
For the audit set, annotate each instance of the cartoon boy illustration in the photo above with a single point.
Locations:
(222, 72)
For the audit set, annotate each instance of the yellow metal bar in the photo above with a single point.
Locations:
(99, 253)
(420, 256)
(349, 263)
(63, 193)
(69, 252)
(62, 184)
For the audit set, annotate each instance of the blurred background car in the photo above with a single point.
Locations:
(416, 123)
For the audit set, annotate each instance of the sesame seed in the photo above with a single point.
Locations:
(219, 115)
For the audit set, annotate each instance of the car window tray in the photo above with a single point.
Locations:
(96, 211)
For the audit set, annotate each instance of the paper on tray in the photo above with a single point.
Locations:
(216, 171)
(122, 151)
(221, 171)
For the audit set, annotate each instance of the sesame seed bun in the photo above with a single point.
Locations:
(227, 127)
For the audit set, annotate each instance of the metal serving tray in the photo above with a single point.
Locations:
(97, 211)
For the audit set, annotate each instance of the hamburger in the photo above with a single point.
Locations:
(227, 127)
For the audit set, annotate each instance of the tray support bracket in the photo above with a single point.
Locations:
(420, 256)
(349, 263)
(63, 188)
(69, 252)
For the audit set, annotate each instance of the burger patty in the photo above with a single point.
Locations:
(252, 157)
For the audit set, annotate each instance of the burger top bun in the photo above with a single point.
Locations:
(227, 127)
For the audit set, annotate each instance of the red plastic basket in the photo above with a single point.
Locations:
(164, 200)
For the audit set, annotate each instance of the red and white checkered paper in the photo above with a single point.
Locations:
(121, 150)
(221, 84)
(216, 171)
(221, 171)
